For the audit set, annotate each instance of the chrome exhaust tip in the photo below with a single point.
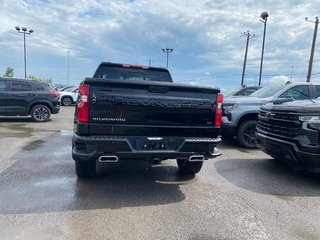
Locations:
(110, 159)
(196, 158)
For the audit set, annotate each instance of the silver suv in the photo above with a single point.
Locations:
(240, 114)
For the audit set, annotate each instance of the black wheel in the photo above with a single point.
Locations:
(85, 169)
(186, 167)
(245, 134)
(40, 113)
(66, 101)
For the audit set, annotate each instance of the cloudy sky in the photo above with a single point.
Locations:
(206, 36)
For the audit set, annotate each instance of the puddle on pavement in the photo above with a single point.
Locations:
(33, 145)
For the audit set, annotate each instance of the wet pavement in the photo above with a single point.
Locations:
(241, 195)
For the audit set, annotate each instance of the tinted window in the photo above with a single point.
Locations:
(119, 73)
(21, 87)
(40, 87)
(297, 92)
(318, 91)
(3, 85)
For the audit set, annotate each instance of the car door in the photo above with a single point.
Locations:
(18, 98)
(3, 94)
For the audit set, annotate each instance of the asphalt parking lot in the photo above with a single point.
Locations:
(243, 194)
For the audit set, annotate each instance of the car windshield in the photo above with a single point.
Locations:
(268, 91)
(229, 92)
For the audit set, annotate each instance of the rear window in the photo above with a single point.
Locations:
(21, 87)
(135, 74)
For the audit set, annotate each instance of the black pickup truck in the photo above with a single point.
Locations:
(290, 132)
(128, 112)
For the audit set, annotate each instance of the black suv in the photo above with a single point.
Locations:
(20, 97)
(290, 132)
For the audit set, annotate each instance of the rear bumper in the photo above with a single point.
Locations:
(56, 108)
(91, 148)
(228, 128)
(307, 159)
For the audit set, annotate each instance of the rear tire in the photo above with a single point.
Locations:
(40, 113)
(66, 101)
(85, 169)
(246, 134)
(186, 167)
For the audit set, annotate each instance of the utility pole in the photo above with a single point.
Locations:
(68, 68)
(316, 23)
(248, 35)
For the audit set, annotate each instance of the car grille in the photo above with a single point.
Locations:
(285, 125)
(278, 123)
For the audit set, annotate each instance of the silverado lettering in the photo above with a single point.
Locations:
(135, 101)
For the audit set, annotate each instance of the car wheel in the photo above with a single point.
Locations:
(66, 101)
(85, 169)
(186, 167)
(246, 134)
(40, 113)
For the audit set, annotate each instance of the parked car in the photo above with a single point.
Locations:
(58, 87)
(69, 97)
(240, 114)
(67, 88)
(20, 97)
(290, 132)
(240, 91)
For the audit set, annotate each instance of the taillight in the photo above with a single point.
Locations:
(83, 104)
(218, 116)
(54, 94)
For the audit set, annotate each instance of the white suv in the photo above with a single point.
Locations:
(69, 97)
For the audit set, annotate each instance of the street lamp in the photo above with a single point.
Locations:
(167, 51)
(263, 18)
(25, 31)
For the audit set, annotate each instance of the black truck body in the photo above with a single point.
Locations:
(133, 112)
(290, 132)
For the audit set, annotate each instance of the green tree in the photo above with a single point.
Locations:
(9, 72)
(34, 78)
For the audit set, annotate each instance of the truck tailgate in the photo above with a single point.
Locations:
(151, 108)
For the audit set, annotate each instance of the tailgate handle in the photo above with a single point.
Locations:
(158, 89)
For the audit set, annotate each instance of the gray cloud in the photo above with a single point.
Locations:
(205, 36)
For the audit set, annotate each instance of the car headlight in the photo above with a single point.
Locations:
(312, 122)
(310, 119)
(230, 107)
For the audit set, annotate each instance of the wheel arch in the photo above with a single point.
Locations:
(45, 103)
(248, 116)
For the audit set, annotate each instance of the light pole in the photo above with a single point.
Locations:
(68, 68)
(263, 18)
(167, 51)
(24, 31)
(312, 47)
(248, 35)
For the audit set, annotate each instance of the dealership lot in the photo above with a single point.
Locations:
(242, 194)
